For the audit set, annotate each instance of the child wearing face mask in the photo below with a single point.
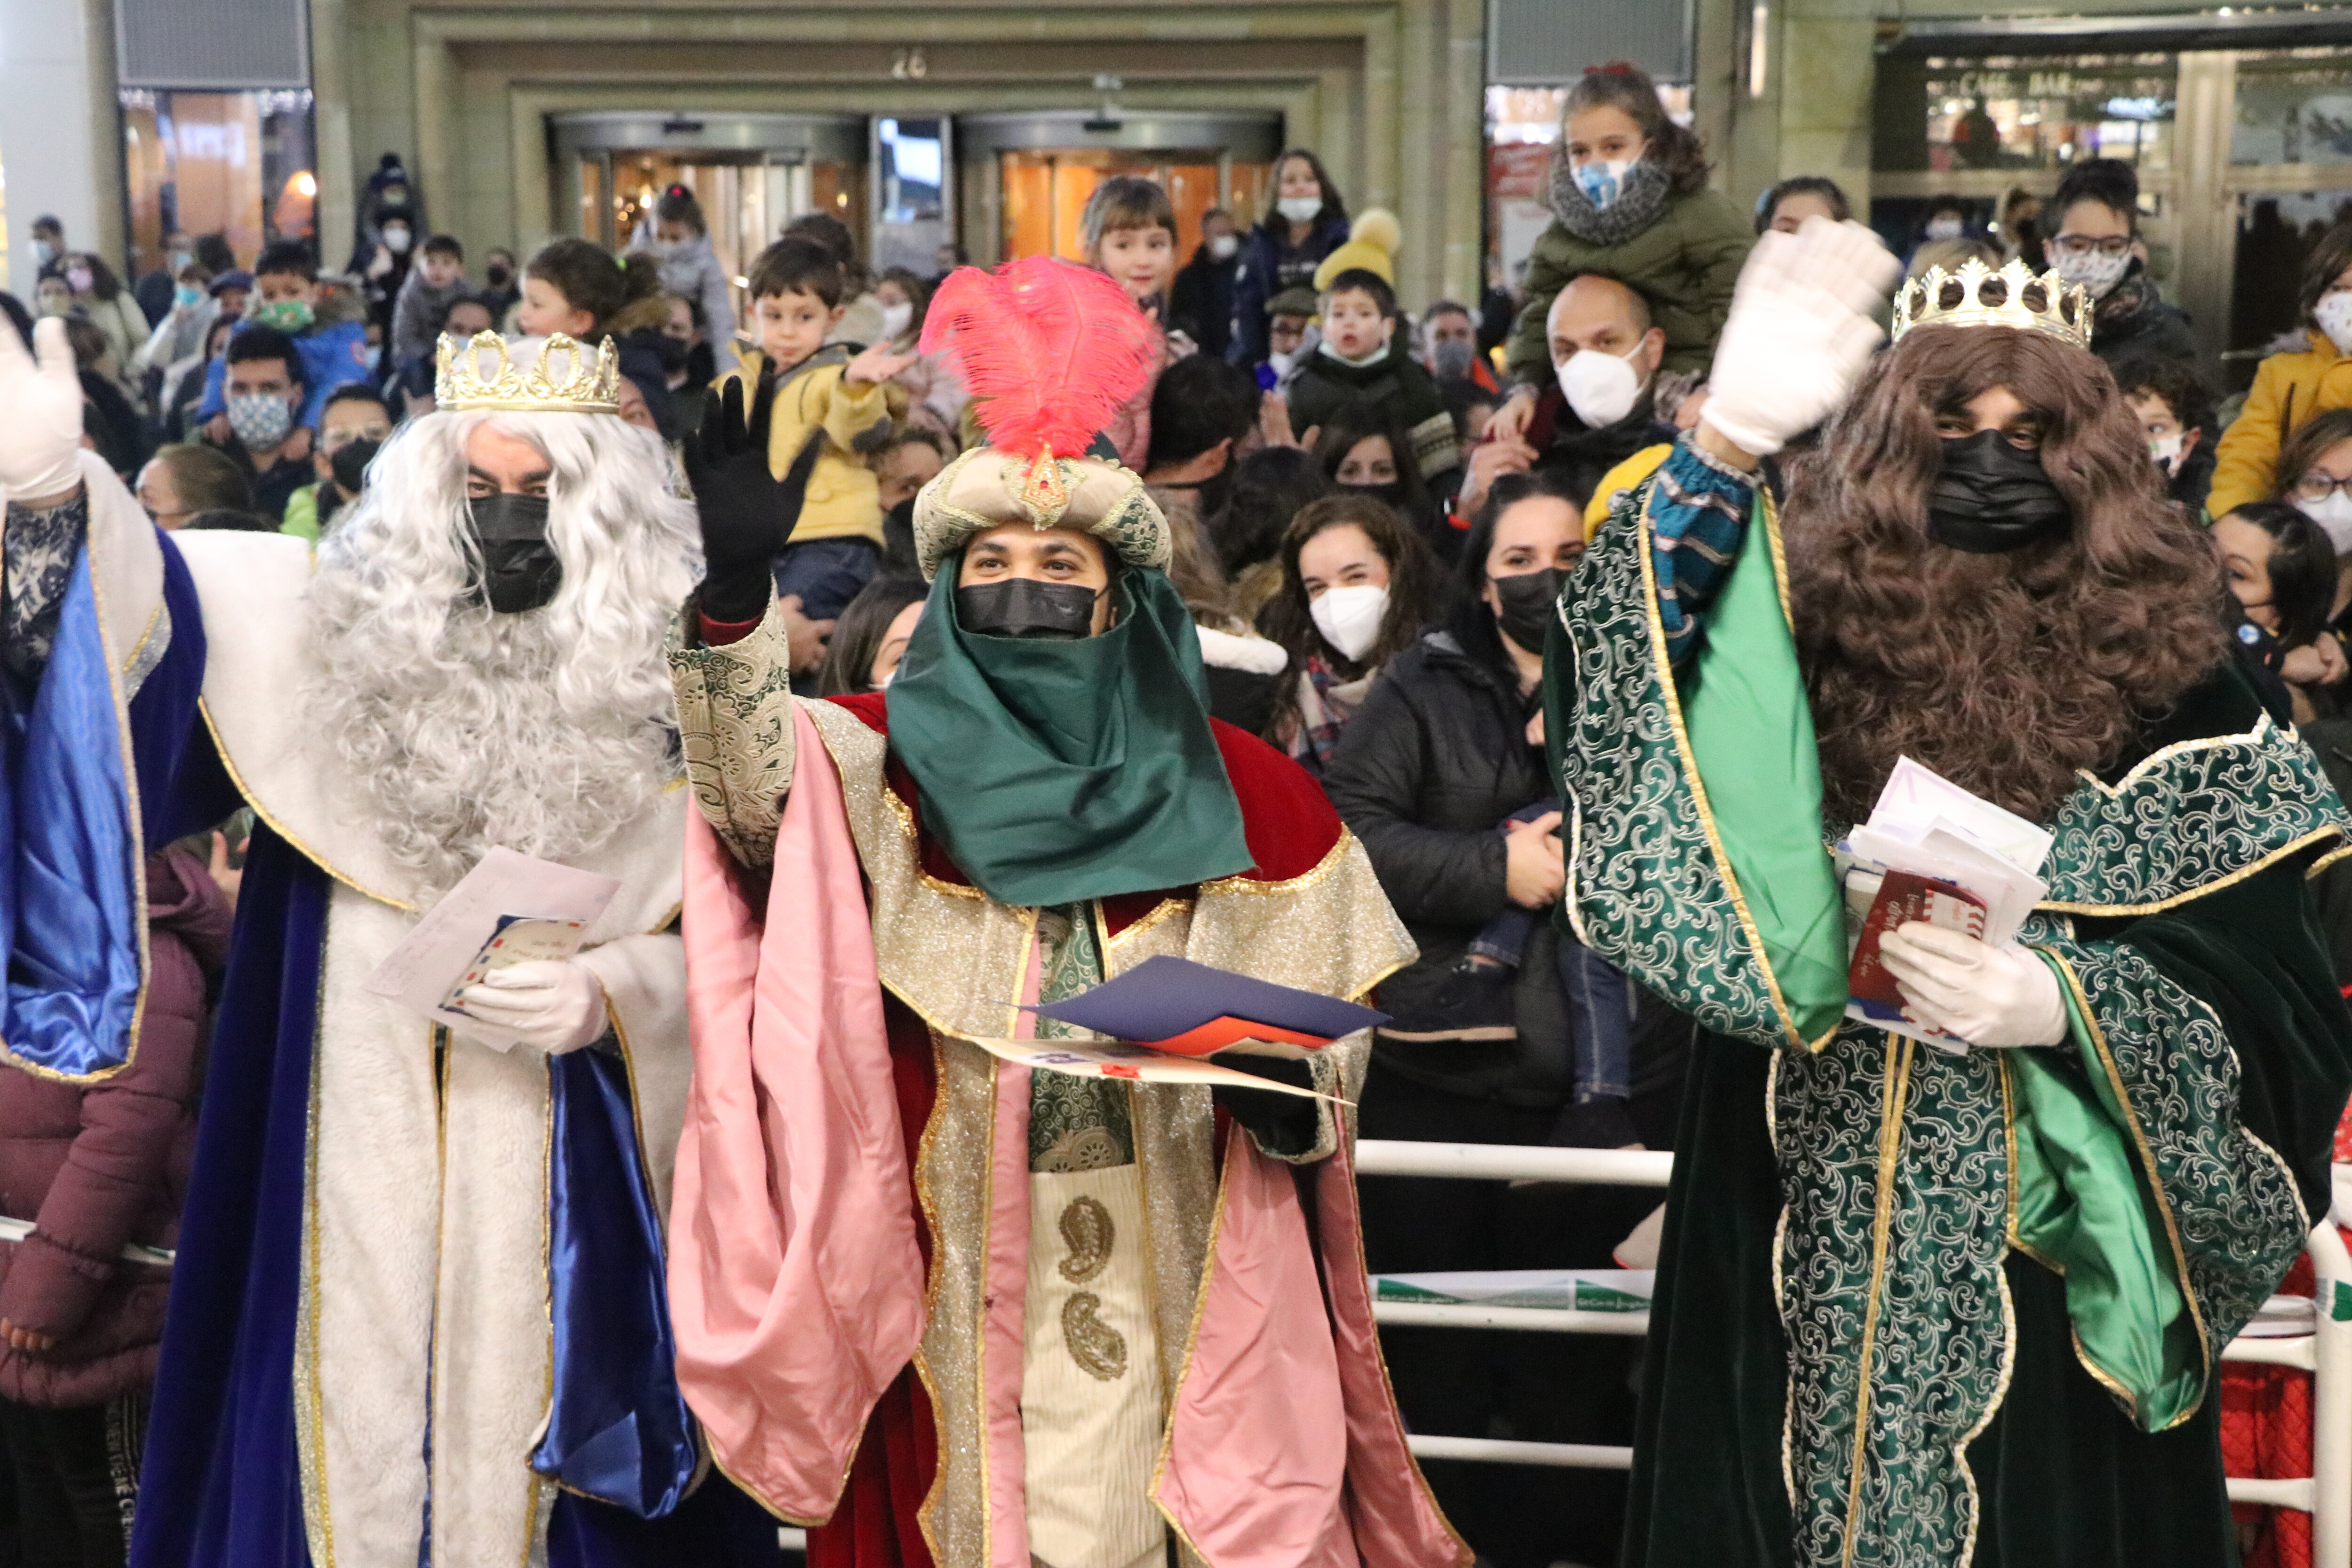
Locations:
(1363, 358)
(2176, 412)
(2292, 388)
(1630, 201)
(676, 233)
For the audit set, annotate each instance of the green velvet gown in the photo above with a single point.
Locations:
(1920, 1308)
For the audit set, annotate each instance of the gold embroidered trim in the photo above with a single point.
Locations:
(2147, 1167)
(1664, 675)
(2216, 885)
(906, 816)
(2324, 861)
(1298, 884)
(293, 839)
(1890, 1148)
(1166, 909)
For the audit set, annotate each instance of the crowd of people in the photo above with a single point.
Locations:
(1353, 529)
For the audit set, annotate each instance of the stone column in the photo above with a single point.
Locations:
(60, 132)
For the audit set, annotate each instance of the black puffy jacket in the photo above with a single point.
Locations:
(1426, 771)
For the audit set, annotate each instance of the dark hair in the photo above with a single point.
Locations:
(1123, 202)
(258, 342)
(2174, 383)
(87, 339)
(358, 392)
(797, 264)
(1623, 85)
(828, 232)
(1438, 308)
(2007, 674)
(857, 634)
(918, 294)
(213, 250)
(1362, 281)
(2331, 253)
(1461, 394)
(1359, 420)
(103, 283)
(49, 221)
(1268, 488)
(2299, 451)
(915, 435)
(1198, 402)
(221, 327)
(1417, 587)
(586, 276)
(677, 205)
(444, 245)
(1472, 623)
(441, 322)
(207, 479)
(1335, 210)
(2110, 182)
(2301, 569)
(1768, 205)
(283, 256)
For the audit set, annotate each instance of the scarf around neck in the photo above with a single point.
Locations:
(1641, 202)
(1053, 772)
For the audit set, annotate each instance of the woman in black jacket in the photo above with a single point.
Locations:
(1438, 755)
(1305, 222)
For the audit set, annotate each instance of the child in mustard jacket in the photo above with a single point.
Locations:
(2289, 388)
(825, 395)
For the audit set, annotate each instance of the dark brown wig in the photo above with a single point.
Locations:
(2005, 673)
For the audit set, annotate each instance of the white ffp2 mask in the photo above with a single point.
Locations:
(1601, 387)
(1350, 618)
(2333, 512)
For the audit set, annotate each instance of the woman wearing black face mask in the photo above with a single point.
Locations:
(1439, 776)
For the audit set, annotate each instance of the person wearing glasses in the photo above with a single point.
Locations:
(2095, 242)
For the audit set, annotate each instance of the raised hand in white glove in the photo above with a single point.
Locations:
(1984, 995)
(555, 1005)
(40, 417)
(1801, 331)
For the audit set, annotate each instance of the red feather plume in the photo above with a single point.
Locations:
(1049, 350)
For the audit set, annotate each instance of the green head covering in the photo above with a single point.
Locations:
(1056, 772)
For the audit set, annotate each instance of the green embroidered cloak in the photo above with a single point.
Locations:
(1919, 1309)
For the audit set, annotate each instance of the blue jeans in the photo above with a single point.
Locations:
(826, 573)
(1600, 999)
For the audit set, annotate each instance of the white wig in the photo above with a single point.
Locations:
(545, 730)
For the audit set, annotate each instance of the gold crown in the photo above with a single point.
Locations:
(590, 384)
(1977, 296)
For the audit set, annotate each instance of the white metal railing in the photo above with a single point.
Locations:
(2326, 1352)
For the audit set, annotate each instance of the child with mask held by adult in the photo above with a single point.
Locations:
(1362, 360)
(325, 328)
(1630, 201)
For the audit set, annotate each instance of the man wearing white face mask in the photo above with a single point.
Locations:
(2096, 243)
(1200, 302)
(1603, 406)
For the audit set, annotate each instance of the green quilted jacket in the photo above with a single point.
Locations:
(1684, 264)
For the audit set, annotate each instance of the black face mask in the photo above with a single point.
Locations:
(521, 569)
(1990, 497)
(498, 274)
(1025, 607)
(350, 461)
(1528, 600)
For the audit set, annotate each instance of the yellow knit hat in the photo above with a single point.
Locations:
(1372, 242)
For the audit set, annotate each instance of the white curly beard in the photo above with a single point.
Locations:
(546, 732)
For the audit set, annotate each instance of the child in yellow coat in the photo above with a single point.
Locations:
(2290, 388)
(825, 395)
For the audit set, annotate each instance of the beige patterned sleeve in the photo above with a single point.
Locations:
(735, 730)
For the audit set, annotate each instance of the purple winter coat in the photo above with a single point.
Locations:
(98, 1166)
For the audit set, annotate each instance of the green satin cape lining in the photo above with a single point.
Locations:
(2085, 1207)
(1751, 731)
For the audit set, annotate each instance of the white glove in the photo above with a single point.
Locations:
(555, 1005)
(1801, 331)
(41, 415)
(1986, 996)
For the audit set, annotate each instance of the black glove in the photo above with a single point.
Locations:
(747, 514)
(1282, 1123)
